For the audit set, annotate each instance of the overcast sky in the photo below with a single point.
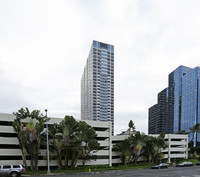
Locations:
(44, 46)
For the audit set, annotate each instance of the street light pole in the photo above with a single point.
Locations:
(48, 171)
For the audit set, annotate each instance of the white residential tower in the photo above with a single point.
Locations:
(97, 84)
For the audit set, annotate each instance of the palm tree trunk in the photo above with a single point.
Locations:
(24, 158)
(83, 163)
(193, 139)
(31, 149)
(59, 159)
(36, 156)
(76, 160)
(66, 157)
(73, 159)
(196, 138)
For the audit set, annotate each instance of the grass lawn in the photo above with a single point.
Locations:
(93, 168)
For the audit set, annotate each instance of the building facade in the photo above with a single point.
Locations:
(10, 152)
(158, 114)
(175, 97)
(182, 110)
(177, 147)
(97, 84)
(153, 117)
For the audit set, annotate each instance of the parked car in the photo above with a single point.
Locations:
(162, 165)
(12, 170)
(185, 164)
(198, 163)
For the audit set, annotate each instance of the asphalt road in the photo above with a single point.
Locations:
(170, 172)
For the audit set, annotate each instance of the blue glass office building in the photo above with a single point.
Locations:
(153, 126)
(158, 114)
(97, 84)
(175, 98)
(190, 113)
(183, 104)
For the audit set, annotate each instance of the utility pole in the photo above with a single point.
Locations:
(48, 171)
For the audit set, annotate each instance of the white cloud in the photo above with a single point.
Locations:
(44, 46)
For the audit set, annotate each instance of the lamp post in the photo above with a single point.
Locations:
(48, 171)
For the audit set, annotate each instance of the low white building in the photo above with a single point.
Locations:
(177, 146)
(10, 152)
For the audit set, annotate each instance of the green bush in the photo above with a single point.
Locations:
(194, 161)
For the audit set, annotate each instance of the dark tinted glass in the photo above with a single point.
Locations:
(104, 46)
(16, 166)
(6, 166)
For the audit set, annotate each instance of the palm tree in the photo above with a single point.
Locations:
(59, 146)
(19, 128)
(148, 148)
(56, 144)
(153, 147)
(32, 124)
(77, 148)
(158, 143)
(22, 138)
(31, 134)
(69, 127)
(88, 143)
(73, 140)
(194, 130)
(131, 127)
(66, 138)
(40, 123)
(124, 149)
(137, 144)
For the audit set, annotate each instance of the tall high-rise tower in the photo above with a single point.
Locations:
(180, 104)
(97, 84)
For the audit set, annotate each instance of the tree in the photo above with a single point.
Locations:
(56, 142)
(148, 148)
(19, 128)
(158, 143)
(124, 149)
(69, 127)
(59, 146)
(141, 145)
(79, 141)
(137, 144)
(22, 138)
(194, 155)
(131, 127)
(194, 130)
(74, 140)
(37, 121)
(31, 134)
(32, 124)
(89, 144)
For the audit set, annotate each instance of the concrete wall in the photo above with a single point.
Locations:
(10, 152)
(177, 146)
